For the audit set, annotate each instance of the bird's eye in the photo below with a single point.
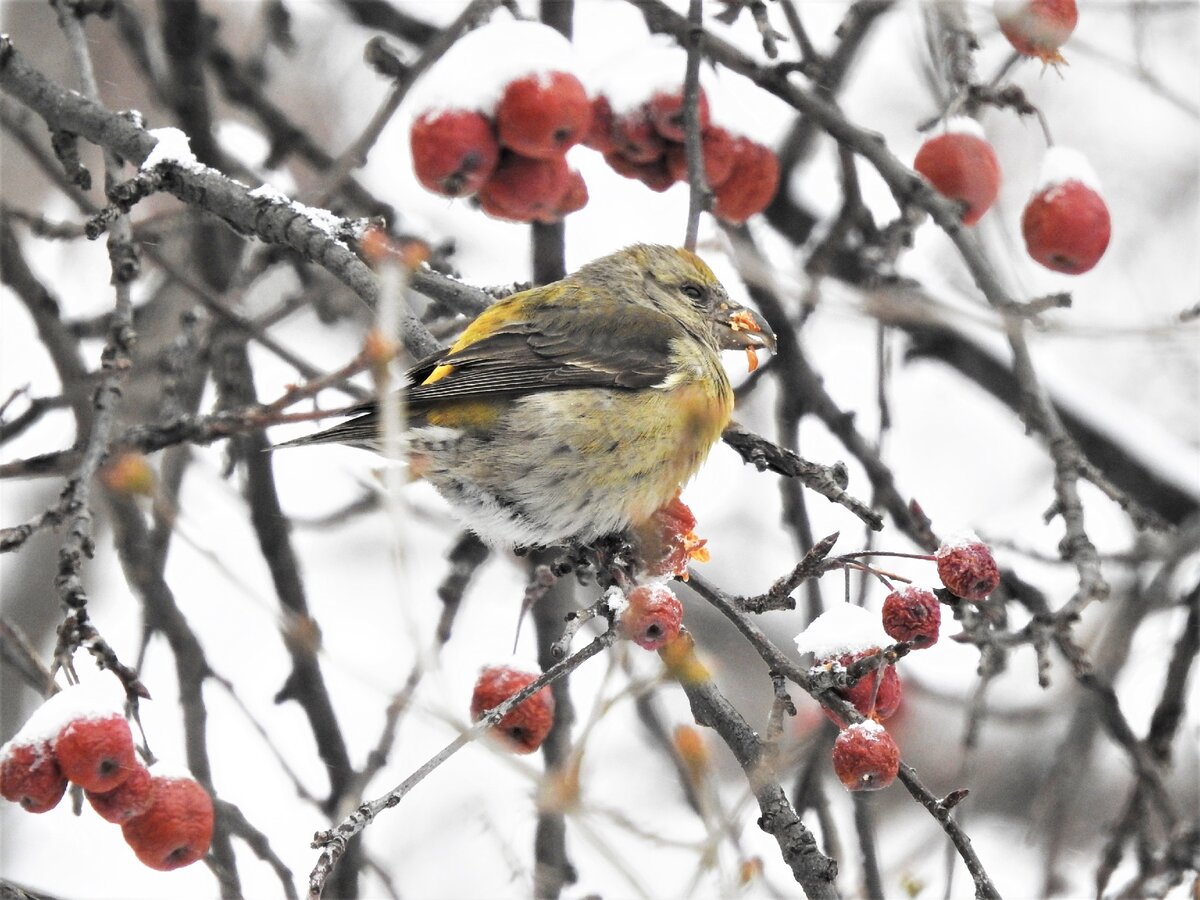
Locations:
(692, 290)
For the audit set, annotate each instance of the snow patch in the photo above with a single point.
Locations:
(868, 728)
(171, 771)
(474, 72)
(1062, 164)
(964, 125)
(100, 698)
(1007, 10)
(173, 147)
(321, 219)
(844, 629)
(633, 78)
(957, 540)
(615, 599)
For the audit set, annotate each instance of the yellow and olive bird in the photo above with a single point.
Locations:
(574, 410)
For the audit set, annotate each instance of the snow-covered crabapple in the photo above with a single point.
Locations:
(1037, 28)
(1066, 223)
(96, 753)
(543, 115)
(30, 776)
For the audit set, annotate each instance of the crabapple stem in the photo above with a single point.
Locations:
(863, 553)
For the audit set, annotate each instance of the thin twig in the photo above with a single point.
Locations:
(699, 195)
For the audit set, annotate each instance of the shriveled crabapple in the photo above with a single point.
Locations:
(636, 139)
(912, 614)
(129, 473)
(866, 757)
(652, 616)
(718, 147)
(524, 728)
(967, 569)
(961, 165)
(600, 133)
(666, 112)
(881, 703)
(751, 183)
(453, 151)
(666, 542)
(1066, 223)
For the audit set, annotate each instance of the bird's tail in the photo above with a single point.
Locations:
(360, 431)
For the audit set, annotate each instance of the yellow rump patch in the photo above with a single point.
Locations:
(469, 415)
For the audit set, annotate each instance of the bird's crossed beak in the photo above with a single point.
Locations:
(744, 329)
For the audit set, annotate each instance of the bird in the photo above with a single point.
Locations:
(577, 409)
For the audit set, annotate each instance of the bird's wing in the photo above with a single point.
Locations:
(626, 348)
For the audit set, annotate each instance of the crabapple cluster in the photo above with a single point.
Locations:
(504, 140)
(507, 147)
(1066, 223)
(647, 613)
(80, 735)
(865, 755)
(646, 143)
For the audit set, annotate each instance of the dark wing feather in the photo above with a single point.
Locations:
(568, 348)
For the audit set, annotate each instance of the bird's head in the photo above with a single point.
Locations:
(679, 283)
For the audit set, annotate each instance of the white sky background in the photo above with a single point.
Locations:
(1116, 356)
